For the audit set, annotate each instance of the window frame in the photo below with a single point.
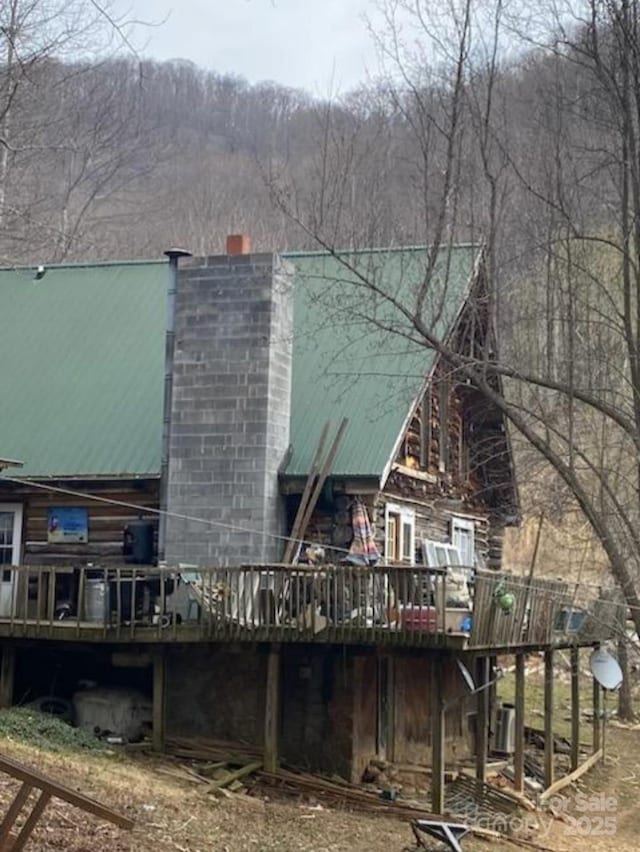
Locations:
(458, 522)
(16, 544)
(400, 517)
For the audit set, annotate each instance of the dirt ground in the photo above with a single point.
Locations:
(174, 815)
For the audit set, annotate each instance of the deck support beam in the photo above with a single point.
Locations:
(437, 736)
(518, 759)
(575, 708)
(7, 674)
(548, 719)
(159, 698)
(482, 717)
(272, 709)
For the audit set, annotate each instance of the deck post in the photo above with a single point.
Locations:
(492, 701)
(518, 759)
(7, 674)
(272, 709)
(597, 713)
(159, 698)
(575, 708)
(482, 717)
(548, 718)
(437, 736)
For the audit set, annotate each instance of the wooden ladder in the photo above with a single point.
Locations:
(32, 780)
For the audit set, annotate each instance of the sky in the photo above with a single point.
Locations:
(322, 46)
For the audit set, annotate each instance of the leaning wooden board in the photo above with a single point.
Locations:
(34, 780)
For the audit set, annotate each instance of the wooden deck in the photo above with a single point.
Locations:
(340, 604)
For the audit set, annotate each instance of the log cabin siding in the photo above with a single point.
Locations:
(106, 521)
(437, 438)
(433, 521)
(465, 472)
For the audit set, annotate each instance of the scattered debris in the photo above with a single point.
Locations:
(450, 833)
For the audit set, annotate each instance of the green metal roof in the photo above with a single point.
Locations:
(82, 368)
(82, 360)
(354, 353)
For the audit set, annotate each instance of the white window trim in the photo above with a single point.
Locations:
(460, 523)
(460, 575)
(406, 516)
(16, 508)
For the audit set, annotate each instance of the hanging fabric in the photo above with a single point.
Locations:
(363, 550)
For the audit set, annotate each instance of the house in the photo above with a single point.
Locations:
(170, 417)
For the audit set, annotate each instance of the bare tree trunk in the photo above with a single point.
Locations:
(625, 697)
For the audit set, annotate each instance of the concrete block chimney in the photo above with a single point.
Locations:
(231, 406)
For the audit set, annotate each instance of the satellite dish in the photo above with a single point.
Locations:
(466, 675)
(605, 669)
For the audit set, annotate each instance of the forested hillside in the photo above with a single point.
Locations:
(123, 157)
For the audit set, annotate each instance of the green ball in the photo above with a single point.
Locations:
(506, 602)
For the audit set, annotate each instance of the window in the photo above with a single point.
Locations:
(10, 533)
(400, 534)
(463, 539)
(438, 554)
(10, 551)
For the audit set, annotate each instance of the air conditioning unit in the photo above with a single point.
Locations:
(505, 739)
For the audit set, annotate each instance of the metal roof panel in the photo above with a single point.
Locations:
(356, 355)
(81, 368)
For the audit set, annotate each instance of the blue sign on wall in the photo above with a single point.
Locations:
(67, 525)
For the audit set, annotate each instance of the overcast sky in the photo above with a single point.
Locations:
(317, 45)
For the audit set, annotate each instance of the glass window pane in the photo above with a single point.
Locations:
(6, 528)
(392, 533)
(407, 536)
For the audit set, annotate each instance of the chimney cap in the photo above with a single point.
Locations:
(172, 253)
(238, 244)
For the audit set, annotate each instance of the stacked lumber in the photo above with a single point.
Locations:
(339, 792)
(221, 765)
(202, 748)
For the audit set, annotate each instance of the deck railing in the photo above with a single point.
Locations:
(392, 605)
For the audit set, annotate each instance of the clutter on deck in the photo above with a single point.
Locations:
(417, 605)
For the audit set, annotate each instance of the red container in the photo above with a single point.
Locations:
(423, 619)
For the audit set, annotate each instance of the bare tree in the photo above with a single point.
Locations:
(67, 140)
(576, 404)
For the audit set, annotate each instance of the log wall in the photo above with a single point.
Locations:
(106, 521)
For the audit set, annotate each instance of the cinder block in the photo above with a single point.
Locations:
(230, 419)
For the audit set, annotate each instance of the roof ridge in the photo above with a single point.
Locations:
(377, 250)
(84, 264)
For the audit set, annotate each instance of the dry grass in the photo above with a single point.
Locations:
(173, 815)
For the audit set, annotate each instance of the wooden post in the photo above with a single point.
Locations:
(575, 708)
(7, 674)
(597, 712)
(492, 702)
(548, 718)
(603, 741)
(272, 709)
(482, 717)
(518, 759)
(437, 736)
(159, 698)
